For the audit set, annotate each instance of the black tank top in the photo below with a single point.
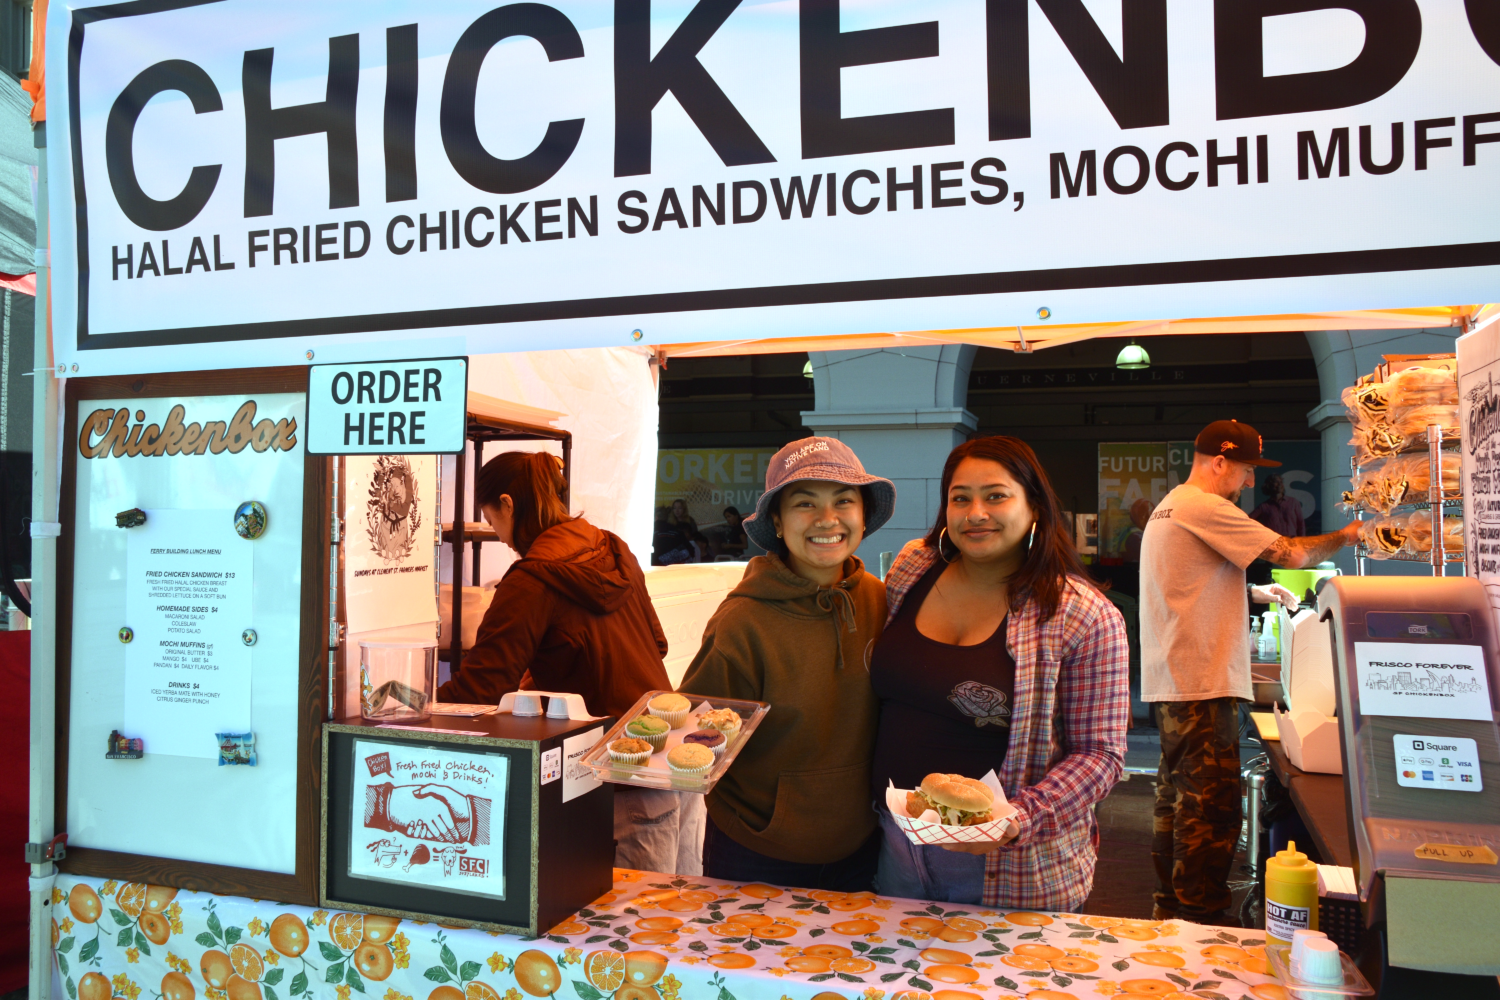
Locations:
(942, 707)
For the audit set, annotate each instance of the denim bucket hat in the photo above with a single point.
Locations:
(827, 460)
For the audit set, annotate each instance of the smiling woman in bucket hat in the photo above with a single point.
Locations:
(818, 459)
(796, 632)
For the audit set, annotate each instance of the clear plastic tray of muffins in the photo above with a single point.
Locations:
(653, 770)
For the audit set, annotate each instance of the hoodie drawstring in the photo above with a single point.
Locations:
(841, 607)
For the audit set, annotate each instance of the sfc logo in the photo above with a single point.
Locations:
(478, 867)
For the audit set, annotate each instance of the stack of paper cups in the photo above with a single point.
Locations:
(1315, 959)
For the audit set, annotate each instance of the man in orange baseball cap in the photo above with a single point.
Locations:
(1195, 660)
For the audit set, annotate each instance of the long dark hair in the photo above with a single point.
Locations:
(1051, 559)
(534, 483)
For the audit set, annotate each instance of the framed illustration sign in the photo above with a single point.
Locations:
(463, 821)
(191, 515)
(429, 816)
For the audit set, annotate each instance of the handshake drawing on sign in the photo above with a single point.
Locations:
(428, 812)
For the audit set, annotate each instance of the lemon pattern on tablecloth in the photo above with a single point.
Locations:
(650, 937)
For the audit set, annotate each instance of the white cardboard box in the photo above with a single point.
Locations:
(1311, 740)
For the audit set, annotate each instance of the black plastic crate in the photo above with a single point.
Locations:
(1341, 921)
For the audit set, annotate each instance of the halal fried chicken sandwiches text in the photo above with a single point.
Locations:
(957, 800)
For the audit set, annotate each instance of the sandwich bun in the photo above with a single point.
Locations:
(957, 792)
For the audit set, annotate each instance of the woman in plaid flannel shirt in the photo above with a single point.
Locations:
(1047, 709)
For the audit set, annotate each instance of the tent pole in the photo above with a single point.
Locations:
(44, 514)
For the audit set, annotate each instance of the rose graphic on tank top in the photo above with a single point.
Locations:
(982, 703)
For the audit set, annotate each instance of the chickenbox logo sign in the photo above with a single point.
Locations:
(379, 763)
(528, 175)
(430, 817)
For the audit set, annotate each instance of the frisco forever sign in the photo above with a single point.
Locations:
(236, 182)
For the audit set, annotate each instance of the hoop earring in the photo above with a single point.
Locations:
(1031, 537)
(945, 557)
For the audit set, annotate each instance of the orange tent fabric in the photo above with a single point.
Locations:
(35, 83)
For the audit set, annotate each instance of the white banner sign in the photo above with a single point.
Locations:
(376, 179)
(429, 816)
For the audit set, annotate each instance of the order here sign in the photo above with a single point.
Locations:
(388, 407)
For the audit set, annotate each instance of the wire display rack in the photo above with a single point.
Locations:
(1438, 502)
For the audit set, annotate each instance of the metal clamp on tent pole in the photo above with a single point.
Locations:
(53, 850)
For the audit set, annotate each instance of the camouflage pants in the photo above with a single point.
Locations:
(1197, 815)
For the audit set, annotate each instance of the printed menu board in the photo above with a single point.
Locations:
(189, 580)
(429, 816)
(187, 587)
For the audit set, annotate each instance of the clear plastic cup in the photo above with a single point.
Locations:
(397, 680)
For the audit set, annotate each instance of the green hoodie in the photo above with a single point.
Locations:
(800, 788)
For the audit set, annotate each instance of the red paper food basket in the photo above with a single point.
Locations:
(923, 831)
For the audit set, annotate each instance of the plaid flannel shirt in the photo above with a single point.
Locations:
(1067, 738)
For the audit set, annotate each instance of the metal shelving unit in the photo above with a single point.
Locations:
(459, 533)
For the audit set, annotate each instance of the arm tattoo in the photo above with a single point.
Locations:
(1279, 552)
(1296, 553)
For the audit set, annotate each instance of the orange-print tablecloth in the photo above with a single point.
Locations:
(653, 937)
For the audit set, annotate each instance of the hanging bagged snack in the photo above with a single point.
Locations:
(1419, 534)
(1373, 441)
(1368, 403)
(1419, 397)
(1383, 536)
(1422, 387)
(1368, 406)
(1419, 475)
(1365, 489)
(1411, 422)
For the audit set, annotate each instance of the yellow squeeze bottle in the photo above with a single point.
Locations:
(1291, 895)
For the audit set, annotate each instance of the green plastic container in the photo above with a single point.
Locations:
(1301, 581)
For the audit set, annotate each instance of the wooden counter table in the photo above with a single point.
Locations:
(1322, 804)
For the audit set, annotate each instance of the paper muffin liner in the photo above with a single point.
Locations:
(689, 770)
(718, 750)
(658, 742)
(673, 719)
(729, 734)
(631, 758)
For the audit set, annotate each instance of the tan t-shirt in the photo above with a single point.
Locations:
(1195, 613)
